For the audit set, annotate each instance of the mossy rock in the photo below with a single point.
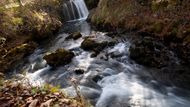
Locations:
(59, 57)
(152, 53)
(23, 49)
(13, 56)
(74, 36)
(91, 45)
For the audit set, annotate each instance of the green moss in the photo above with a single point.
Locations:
(89, 44)
(159, 5)
(174, 31)
(157, 27)
(60, 57)
(23, 49)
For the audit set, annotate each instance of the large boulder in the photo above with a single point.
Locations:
(59, 57)
(152, 53)
(90, 44)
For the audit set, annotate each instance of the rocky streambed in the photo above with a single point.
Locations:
(103, 66)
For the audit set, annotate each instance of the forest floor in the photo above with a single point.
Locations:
(15, 94)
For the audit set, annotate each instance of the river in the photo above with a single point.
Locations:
(111, 79)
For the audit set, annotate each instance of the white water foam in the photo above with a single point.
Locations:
(75, 10)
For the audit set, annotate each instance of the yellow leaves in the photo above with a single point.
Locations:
(54, 89)
(12, 5)
(17, 21)
(50, 88)
(40, 15)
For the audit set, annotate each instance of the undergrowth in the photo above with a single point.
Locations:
(14, 93)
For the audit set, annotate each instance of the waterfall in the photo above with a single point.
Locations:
(75, 10)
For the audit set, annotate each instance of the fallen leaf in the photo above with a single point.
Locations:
(65, 101)
(29, 100)
(33, 103)
(46, 104)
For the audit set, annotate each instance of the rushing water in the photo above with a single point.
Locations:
(75, 10)
(111, 79)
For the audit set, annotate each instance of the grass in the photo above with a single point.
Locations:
(159, 18)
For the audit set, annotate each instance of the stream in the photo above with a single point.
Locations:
(111, 79)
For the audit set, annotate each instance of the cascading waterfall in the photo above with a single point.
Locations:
(75, 10)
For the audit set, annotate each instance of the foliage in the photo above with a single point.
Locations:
(21, 23)
(157, 17)
(16, 94)
(17, 21)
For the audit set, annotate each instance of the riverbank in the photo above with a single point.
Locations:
(23, 26)
(161, 32)
(168, 22)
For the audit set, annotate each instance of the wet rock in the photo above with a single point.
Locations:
(58, 58)
(22, 49)
(14, 55)
(74, 36)
(112, 34)
(92, 45)
(89, 44)
(79, 71)
(97, 78)
(152, 53)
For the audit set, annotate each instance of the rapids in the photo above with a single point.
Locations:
(111, 79)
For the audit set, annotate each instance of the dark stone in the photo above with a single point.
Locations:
(15, 55)
(79, 71)
(74, 36)
(92, 45)
(97, 78)
(88, 44)
(91, 3)
(58, 58)
(112, 34)
(152, 53)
